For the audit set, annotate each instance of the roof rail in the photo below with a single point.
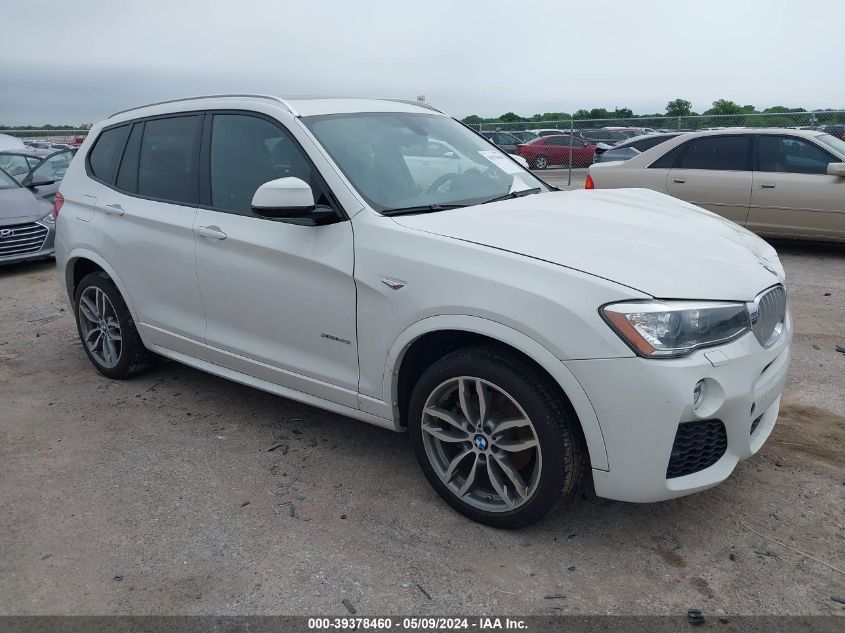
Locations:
(284, 102)
(421, 104)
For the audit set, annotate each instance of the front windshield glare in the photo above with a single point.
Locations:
(400, 161)
(831, 141)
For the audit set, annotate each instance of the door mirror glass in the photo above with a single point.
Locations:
(283, 198)
(836, 169)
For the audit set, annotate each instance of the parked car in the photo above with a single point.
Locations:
(835, 130)
(505, 140)
(775, 182)
(631, 131)
(524, 337)
(630, 148)
(40, 170)
(545, 151)
(548, 132)
(602, 135)
(523, 135)
(8, 142)
(26, 223)
(18, 163)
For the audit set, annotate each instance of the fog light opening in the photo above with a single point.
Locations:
(698, 394)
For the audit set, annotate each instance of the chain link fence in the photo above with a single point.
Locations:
(612, 131)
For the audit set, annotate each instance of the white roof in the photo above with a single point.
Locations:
(10, 143)
(298, 106)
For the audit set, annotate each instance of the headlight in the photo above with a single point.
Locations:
(48, 219)
(659, 329)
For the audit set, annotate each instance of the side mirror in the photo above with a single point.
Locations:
(289, 199)
(836, 169)
(39, 183)
(450, 154)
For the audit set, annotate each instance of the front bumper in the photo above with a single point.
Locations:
(641, 403)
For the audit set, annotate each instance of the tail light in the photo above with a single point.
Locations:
(57, 205)
(589, 184)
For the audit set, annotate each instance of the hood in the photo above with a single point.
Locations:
(642, 239)
(20, 205)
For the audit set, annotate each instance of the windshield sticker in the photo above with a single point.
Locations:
(501, 161)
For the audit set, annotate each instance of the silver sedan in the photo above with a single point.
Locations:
(27, 228)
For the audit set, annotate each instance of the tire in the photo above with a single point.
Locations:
(540, 162)
(548, 471)
(126, 356)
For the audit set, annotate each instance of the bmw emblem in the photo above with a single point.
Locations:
(480, 442)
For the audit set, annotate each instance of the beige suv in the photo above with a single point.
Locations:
(775, 182)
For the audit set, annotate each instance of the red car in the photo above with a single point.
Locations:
(554, 150)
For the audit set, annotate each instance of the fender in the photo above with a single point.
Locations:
(84, 253)
(526, 345)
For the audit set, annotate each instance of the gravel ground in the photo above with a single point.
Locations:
(161, 495)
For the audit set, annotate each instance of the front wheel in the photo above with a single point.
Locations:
(494, 438)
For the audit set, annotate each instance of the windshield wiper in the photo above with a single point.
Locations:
(513, 194)
(424, 208)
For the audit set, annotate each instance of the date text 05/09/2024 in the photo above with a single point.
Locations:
(417, 624)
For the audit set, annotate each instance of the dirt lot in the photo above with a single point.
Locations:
(160, 495)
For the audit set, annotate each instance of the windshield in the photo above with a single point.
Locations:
(831, 141)
(399, 161)
(6, 181)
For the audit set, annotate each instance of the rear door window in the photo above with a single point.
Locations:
(724, 153)
(167, 167)
(106, 153)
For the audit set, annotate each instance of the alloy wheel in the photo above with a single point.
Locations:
(100, 327)
(481, 444)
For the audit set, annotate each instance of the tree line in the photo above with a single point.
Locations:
(675, 108)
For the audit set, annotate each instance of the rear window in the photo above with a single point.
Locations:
(668, 160)
(648, 143)
(106, 153)
(724, 153)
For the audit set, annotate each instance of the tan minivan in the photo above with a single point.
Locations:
(775, 182)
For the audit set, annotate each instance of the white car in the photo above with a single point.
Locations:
(525, 337)
(776, 182)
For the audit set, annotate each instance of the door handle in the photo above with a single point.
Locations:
(211, 232)
(767, 185)
(113, 209)
(680, 181)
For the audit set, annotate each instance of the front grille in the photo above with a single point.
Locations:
(21, 239)
(767, 315)
(698, 445)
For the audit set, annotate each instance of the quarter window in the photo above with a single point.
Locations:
(725, 153)
(790, 154)
(247, 151)
(168, 163)
(106, 153)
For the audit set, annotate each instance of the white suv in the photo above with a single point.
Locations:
(317, 249)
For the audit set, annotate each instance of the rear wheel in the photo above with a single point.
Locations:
(107, 330)
(494, 438)
(540, 162)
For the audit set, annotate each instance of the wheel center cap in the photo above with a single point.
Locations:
(480, 442)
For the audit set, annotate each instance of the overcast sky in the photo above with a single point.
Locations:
(76, 61)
